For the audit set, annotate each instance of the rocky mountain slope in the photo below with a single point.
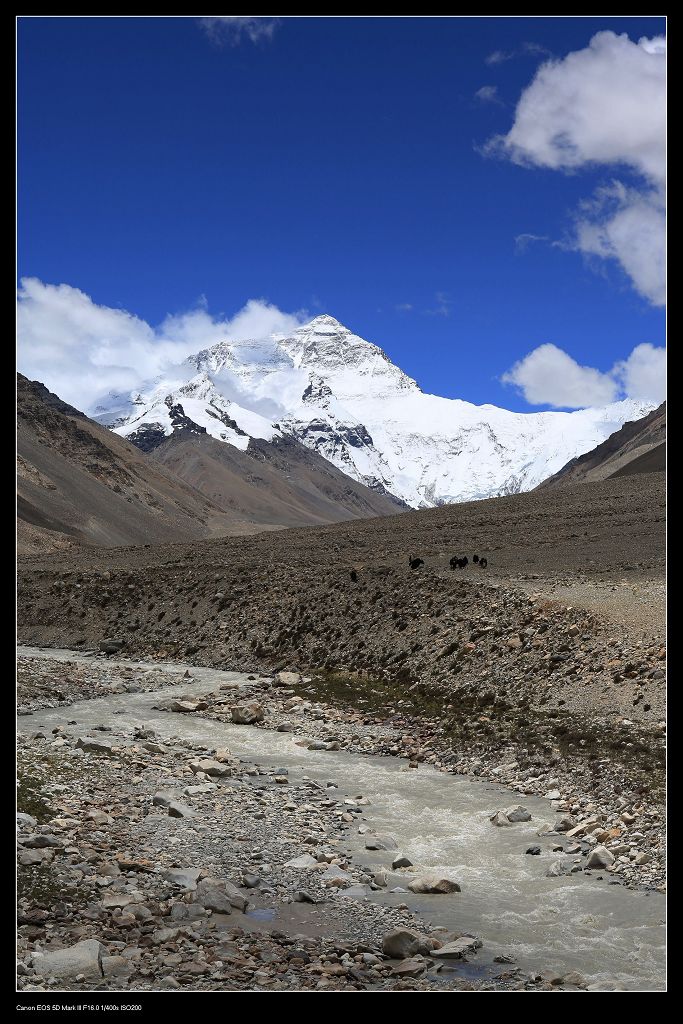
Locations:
(343, 397)
(638, 447)
(278, 482)
(80, 483)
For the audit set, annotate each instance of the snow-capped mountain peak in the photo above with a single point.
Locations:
(343, 397)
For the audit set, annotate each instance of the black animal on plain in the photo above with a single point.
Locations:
(415, 563)
(354, 576)
(475, 558)
(482, 563)
(458, 563)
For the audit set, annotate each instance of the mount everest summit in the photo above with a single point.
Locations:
(343, 397)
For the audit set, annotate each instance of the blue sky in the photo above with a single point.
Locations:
(329, 165)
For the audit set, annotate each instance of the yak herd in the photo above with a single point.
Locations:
(455, 562)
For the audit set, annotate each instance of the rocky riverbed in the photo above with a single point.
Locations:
(164, 860)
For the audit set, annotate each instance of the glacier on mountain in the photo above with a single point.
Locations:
(343, 397)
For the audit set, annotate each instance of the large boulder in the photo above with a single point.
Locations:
(287, 678)
(517, 813)
(219, 895)
(111, 646)
(404, 942)
(599, 857)
(185, 707)
(247, 714)
(433, 884)
(66, 964)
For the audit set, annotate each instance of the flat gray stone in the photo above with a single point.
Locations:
(93, 746)
(210, 767)
(42, 840)
(458, 948)
(304, 861)
(176, 809)
(186, 878)
(381, 843)
(83, 958)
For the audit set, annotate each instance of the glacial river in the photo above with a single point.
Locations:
(610, 934)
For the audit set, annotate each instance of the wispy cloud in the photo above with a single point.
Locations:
(404, 307)
(549, 376)
(603, 105)
(233, 30)
(443, 305)
(525, 50)
(523, 241)
(488, 94)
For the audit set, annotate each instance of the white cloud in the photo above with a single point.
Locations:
(604, 105)
(233, 30)
(82, 350)
(488, 94)
(643, 374)
(628, 226)
(549, 376)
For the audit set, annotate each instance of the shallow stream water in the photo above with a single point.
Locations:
(582, 922)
